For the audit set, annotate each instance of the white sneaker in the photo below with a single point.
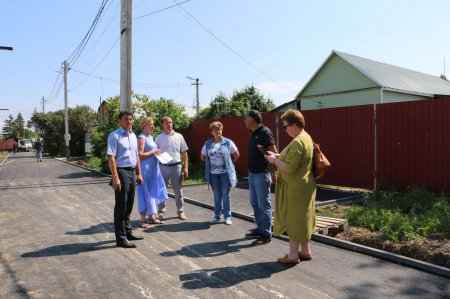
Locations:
(214, 221)
(228, 221)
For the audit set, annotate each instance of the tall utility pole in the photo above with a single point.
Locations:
(66, 112)
(197, 95)
(125, 54)
(35, 128)
(43, 100)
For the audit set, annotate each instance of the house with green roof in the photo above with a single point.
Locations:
(345, 80)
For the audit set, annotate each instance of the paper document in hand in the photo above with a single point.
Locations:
(164, 158)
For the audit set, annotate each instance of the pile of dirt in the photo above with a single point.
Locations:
(435, 250)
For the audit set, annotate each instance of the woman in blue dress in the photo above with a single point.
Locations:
(153, 190)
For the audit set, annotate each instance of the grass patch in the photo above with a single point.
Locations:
(333, 211)
(196, 174)
(3, 155)
(403, 216)
(95, 163)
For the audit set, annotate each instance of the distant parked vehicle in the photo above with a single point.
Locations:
(24, 145)
(7, 145)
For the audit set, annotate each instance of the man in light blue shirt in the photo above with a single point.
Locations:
(123, 161)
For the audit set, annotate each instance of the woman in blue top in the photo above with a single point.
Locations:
(220, 153)
(152, 191)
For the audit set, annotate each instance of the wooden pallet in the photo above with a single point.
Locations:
(323, 224)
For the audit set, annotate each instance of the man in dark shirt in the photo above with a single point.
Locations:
(259, 177)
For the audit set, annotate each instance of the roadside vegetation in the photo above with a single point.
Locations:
(415, 223)
(3, 155)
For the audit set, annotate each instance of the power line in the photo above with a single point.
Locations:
(94, 45)
(163, 9)
(152, 85)
(234, 51)
(72, 59)
(101, 61)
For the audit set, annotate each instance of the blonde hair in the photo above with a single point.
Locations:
(292, 116)
(145, 121)
(215, 125)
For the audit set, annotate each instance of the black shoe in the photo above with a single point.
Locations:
(126, 244)
(254, 234)
(134, 238)
(261, 241)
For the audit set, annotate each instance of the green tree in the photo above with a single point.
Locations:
(101, 132)
(250, 98)
(240, 103)
(157, 108)
(14, 127)
(19, 123)
(51, 126)
(9, 128)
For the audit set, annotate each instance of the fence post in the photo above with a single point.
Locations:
(277, 132)
(375, 157)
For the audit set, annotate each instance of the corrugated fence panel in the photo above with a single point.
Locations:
(413, 142)
(346, 137)
(234, 128)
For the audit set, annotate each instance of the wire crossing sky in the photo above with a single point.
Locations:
(229, 44)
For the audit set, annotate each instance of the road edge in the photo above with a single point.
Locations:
(342, 244)
(392, 257)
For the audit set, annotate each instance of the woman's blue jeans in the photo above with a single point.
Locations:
(221, 186)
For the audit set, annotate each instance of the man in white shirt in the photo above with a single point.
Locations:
(174, 144)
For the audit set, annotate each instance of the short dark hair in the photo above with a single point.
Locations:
(292, 116)
(256, 115)
(125, 112)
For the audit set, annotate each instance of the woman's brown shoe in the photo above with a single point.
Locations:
(305, 256)
(287, 260)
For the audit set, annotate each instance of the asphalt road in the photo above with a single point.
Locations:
(240, 201)
(56, 241)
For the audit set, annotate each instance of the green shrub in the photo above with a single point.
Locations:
(95, 163)
(403, 216)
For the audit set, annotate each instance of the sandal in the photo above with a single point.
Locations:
(155, 221)
(144, 224)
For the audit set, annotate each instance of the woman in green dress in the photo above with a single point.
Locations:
(295, 192)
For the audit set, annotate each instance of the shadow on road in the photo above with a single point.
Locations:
(225, 277)
(52, 185)
(94, 229)
(179, 227)
(209, 249)
(80, 175)
(70, 249)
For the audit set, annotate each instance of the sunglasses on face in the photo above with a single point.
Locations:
(285, 127)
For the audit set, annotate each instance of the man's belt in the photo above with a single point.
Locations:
(127, 168)
(173, 164)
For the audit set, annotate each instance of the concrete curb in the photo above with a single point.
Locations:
(399, 259)
(392, 257)
(84, 167)
(402, 260)
(340, 200)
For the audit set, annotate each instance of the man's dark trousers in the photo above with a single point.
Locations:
(124, 204)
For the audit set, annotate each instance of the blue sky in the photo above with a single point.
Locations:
(287, 40)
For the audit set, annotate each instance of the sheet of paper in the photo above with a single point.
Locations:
(164, 158)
